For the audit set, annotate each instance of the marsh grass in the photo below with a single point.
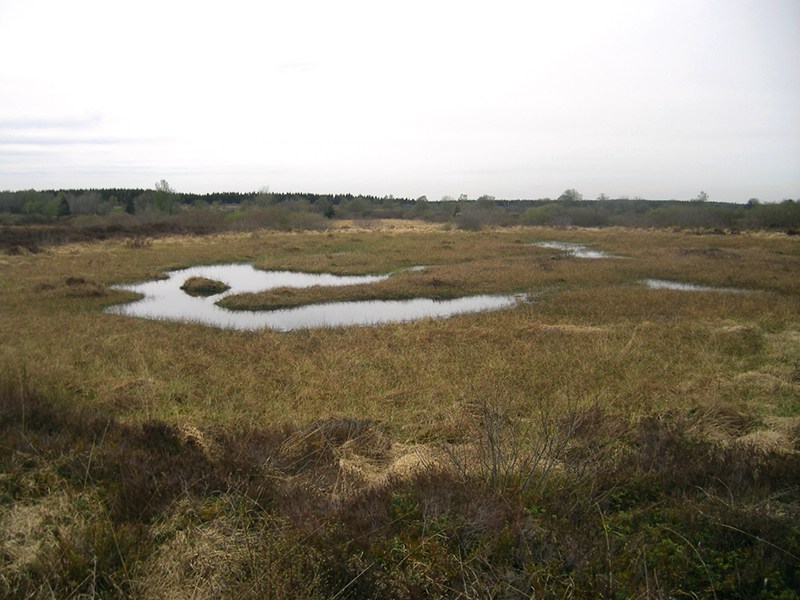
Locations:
(94, 506)
(176, 459)
(202, 286)
(402, 286)
(408, 375)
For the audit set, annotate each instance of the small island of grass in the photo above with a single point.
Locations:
(404, 286)
(201, 286)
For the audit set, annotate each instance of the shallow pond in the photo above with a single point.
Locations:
(664, 284)
(578, 250)
(164, 299)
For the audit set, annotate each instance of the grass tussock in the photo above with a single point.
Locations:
(202, 286)
(401, 286)
(621, 506)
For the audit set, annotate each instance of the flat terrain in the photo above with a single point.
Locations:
(598, 439)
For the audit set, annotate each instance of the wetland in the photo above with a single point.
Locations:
(168, 298)
(599, 439)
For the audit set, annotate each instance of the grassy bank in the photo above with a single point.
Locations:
(602, 439)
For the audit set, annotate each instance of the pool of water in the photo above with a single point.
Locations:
(578, 250)
(163, 299)
(664, 284)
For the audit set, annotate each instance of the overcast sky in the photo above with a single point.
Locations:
(652, 98)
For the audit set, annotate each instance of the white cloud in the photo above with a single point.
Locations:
(516, 99)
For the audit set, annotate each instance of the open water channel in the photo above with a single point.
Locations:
(164, 299)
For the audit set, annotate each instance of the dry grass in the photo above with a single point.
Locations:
(671, 344)
(202, 286)
(252, 446)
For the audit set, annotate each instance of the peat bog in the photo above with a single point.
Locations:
(601, 439)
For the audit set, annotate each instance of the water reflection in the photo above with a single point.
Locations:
(578, 250)
(163, 299)
(664, 284)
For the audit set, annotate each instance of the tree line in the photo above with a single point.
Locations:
(291, 209)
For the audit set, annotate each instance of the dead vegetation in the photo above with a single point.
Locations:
(601, 440)
(95, 507)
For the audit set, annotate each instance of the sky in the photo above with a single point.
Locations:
(659, 99)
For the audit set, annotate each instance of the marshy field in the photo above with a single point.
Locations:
(608, 433)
